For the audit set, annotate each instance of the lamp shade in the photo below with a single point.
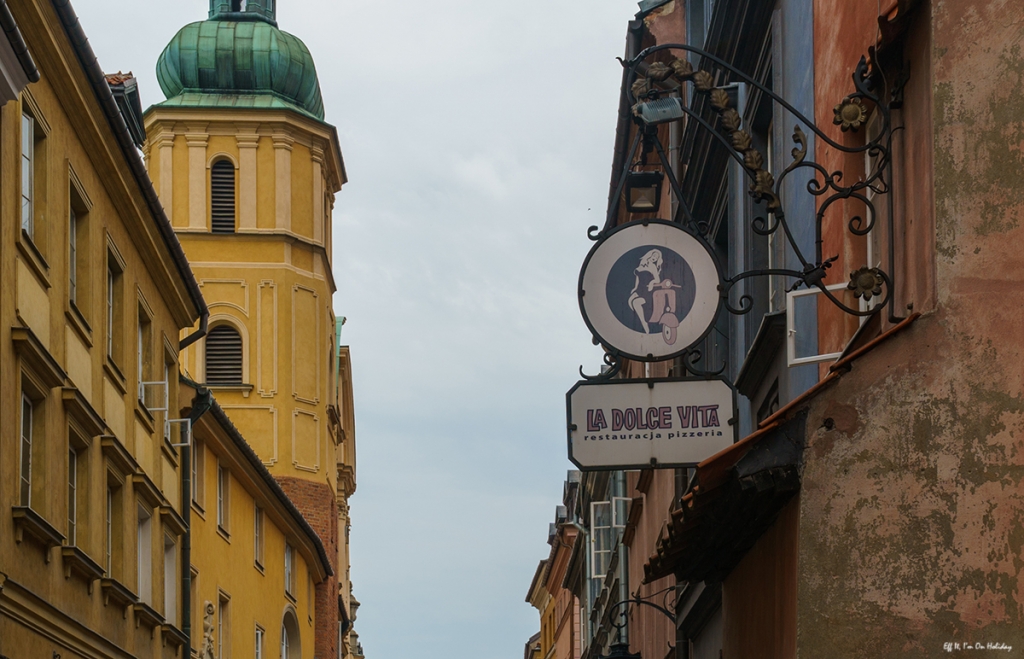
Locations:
(643, 191)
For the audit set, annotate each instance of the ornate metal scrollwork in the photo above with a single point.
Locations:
(667, 607)
(658, 79)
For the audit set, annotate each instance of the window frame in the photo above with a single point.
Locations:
(72, 525)
(26, 447)
(258, 535)
(171, 578)
(223, 499)
(289, 570)
(144, 553)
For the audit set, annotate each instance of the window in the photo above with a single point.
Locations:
(72, 255)
(144, 353)
(108, 541)
(28, 131)
(27, 420)
(223, 626)
(258, 537)
(290, 640)
(222, 194)
(259, 642)
(72, 496)
(79, 290)
(289, 569)
(223, 356)
(223, 481)
(115, 272)
(601, 538)
(170, 579)
(198, 472)
(145, 554)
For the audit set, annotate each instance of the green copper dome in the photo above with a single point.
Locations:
(241, 63)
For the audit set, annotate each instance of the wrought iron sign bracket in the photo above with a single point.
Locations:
(656, 92)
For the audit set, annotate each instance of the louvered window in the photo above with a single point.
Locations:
(222, 197)
(223, 356)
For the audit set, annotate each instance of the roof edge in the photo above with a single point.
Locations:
(254, 461)
(87, 58)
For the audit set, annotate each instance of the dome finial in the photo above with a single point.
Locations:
(244, 10)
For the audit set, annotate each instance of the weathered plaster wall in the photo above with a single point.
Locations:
(912, 505)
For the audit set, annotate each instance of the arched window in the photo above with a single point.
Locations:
(223, 356)
(290, 637)
(222, 197)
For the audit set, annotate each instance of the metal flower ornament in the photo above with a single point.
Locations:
(629, 276)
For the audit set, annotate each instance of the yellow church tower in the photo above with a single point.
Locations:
(247, 170)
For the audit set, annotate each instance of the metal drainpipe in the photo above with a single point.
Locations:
(201, 404)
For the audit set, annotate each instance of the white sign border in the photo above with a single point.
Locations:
(571, 426)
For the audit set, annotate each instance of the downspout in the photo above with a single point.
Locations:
(201, 404)
(204, 322)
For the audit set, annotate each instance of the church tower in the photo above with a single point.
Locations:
(247, 169)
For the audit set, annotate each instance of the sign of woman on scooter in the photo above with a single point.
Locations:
(649, 290)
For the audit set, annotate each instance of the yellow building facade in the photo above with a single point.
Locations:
(94, 293)
(248, 171)
(255, 560)
(121, 534)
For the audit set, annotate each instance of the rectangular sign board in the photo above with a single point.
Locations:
(634, 424)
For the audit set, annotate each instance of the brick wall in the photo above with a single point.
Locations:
(316, 502)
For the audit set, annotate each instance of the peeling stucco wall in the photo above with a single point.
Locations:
(912, 506)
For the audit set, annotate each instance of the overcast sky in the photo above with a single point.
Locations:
(478, 139)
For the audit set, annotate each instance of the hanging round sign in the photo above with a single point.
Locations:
(649, 290)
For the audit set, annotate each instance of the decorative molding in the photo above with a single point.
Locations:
(118, 456)
(172, 521)
(264, 390)
(316, 440)
(147, 490)
(273, 412)
(114, 590)
(35, 355)
(29, 521)
(244, 308)
(148, 616)
(79, 187)
(76, 561)
(314, 340)
(78, 408)
(33, 108)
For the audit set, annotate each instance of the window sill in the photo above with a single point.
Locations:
(77, 562)
(222, 532)
(40, 268)
(81, 411)
(148, 616)
(114, 590)
(29, 521)
(118, 455)
(147, 490)
(144, 416)
(259, 568)
(77, 322)
(171, 634)
(37, 357)
(170, 452)
(244, 389)
(172, 520)
(198, 510)
(115, 375)
(290, 597)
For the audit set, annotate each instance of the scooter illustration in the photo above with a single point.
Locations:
(663, 297)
